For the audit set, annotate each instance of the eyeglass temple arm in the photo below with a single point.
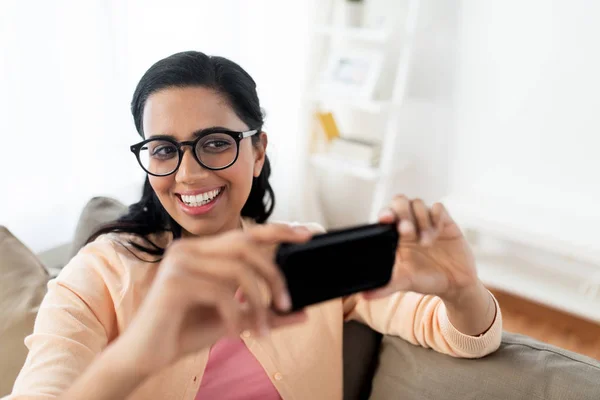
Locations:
(249, 133)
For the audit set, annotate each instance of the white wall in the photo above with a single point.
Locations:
(67, 73)
(528, 100)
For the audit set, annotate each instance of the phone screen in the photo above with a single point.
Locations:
(338, 263)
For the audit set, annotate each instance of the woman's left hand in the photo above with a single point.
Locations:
(432, 257)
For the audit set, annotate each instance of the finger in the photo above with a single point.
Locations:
(401, 207)
(231, 315)
(439, 217)
(254, 299)
(248, 282)
(208, 293)
(424, 224)
(279, 233)
(242, 247)
(233, 274)
(277, 321)
(386, 216)
(265, 267)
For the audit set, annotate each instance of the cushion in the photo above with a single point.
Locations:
(97, 212)
(522, 369)
(22, 288)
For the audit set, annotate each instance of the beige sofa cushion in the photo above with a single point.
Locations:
(97, 212)
(522, 369)
(23, 282)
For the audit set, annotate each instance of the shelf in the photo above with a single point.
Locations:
(362, 34)
(369, 106)
(337, 164)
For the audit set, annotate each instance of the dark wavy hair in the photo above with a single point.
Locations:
(192, 68)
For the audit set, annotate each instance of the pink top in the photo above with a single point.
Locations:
(232, 372)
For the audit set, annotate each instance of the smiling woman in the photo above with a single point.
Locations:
(212, 289)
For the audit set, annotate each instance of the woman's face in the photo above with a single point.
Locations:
(180, 112)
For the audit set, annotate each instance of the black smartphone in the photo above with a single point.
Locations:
(338, 263)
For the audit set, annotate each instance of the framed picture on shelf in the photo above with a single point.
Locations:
(377, 16)
(352, 72)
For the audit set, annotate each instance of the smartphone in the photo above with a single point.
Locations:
(338, 263)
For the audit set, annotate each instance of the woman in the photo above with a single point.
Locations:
(174, 300)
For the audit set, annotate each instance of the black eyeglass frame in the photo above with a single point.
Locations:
(237, 136)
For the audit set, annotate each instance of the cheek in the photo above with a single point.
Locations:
(161, 185)
(241, 173)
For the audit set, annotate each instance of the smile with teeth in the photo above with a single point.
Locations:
(200, 199)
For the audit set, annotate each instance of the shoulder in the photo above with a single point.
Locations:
(109, 263)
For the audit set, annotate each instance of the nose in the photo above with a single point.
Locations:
(190, 170)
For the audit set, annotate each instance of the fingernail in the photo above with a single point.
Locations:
(386, 213)
(285, 303)
(301, 229)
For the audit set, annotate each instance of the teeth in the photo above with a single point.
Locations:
(200, 199)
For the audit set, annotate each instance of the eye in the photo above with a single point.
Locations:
(163, 151)
(217, 144)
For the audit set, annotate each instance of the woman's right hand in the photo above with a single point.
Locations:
(195, 298)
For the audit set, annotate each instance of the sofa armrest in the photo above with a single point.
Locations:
(522, 369)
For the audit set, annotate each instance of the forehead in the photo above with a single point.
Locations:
(180, 112)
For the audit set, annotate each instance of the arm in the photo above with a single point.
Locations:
(75, 352)
(424, 320)
(455, 314)
(75, 323)
(108, 377)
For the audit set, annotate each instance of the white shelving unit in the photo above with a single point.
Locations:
(375, 36)
(369, 106)
(324, 161)
(387, 108)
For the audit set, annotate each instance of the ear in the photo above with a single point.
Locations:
(260, 153)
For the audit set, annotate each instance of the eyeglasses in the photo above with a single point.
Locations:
(214, 149)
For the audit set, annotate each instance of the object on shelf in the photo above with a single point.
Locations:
(354, 12)
(328, 125)
(354, 151)
(351, 72)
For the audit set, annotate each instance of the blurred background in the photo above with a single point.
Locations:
(489, 106)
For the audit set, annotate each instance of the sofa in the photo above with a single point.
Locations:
(375, 367)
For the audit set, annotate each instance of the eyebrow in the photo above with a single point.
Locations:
(195, 134)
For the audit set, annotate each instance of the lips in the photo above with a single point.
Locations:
(199, 202)
(199, 199)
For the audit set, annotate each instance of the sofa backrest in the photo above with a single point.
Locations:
(22, 287)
